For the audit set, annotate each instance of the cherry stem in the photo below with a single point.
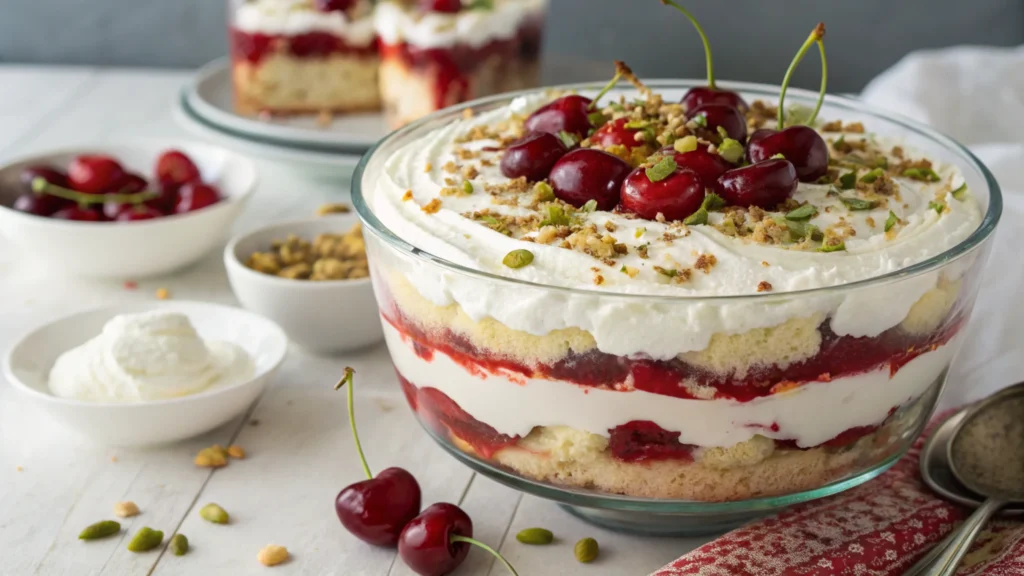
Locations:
(457, 538)
(815, 37)
(347, 379)
(607, 87)
(703, 39)
(41, 186)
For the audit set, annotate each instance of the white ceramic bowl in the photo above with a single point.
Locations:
(322, 317)
(128, 249)
(28, 364)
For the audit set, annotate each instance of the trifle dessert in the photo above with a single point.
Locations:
(709, 297)
(304, 56)
(436, 53)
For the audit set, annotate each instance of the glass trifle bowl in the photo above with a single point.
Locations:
(693, 377)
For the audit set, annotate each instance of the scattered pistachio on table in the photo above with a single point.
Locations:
(586, 550)
(535, 536)
(145, 539)
(272, 555)
(100, 529)
(214, 513)
(213, 457)
(237, 452)
(179, 545)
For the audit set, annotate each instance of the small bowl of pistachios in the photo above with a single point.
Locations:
(311, 277)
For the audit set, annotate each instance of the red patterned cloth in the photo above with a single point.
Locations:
(879, 528)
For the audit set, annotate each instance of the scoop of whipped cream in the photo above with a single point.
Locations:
(143, 357)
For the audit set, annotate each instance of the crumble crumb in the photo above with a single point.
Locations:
(764, 286)
(18, 468)
(333, 208)
(765, 263)
(162, 293)
(428, 168)
(407, 196)
(705, 262)
(598, 279)
(450, 167)
(432, 207)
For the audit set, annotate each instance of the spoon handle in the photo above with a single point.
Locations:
(961, 540)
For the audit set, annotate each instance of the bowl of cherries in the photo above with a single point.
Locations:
(122, 210)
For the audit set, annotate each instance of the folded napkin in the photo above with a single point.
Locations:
(881, 528)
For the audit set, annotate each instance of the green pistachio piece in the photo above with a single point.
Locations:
(731, 150)
(517, 258)
(589, 206)
(833, 247)
(712, 202)
(570, 140)
(663, 169)
(700, 120)
(586, 550)
(467, 187)
(637, 124)
(544, 191)
(639, 232)
(891, 221)
(805, 212)
(670, 272)
(937, 206)
(697, 218)
(873, 175)
(214, 513)
(597, 119)
(960, 193)
(100, 529)
(685, 144)
(925, 174)
(145, 539)
(556, 216)
(778, 156)
(535, 536)
(848, 180)
(857, 203)
(179, 545)
(722, 131)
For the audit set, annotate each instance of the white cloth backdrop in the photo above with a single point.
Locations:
(976, 95)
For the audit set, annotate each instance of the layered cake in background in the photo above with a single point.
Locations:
(304, 56)
(437, 53)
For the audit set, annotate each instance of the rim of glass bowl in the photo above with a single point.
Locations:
(984, 230)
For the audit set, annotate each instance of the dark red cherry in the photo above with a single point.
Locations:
(130, 184)
(801, 145)
(764, 184)
(708, 165)
(334, 5)
(588, 174)
(376, 510)
(94, 173)
(167, 197)
(701, 95)
(40, 204)
(77, 213)
(46, 173)
(426, 544)
(446, 6)
(715, 115)
(532, 156)
(615, 133)
(195, 196)
(675, 197)
(140, 212)
(568, 113)
(174, 167)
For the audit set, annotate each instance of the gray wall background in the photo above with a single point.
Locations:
(753, 39)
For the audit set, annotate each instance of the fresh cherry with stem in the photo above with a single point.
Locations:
(616, 133)
(714, 116)
(40, 204)
(175, 168)
(708, 165)
(438, 540)
(570, 113)
(378, 508)
(800, 144)
(194, 196)
(28, 175)
(589, 174)
(709, 94)
(764, 184)
(532, 156)
(94, 173)
(675, 196)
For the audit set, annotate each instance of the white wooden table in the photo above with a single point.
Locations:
(52, 483)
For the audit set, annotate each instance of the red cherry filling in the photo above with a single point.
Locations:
(707, 165)
(195, 196)
(446, 6)
(426, 544)
(532, 156)
(718, 115)
(568, 114)
(587, 174)
(174, 167)
(94, 174)
(801, 145)
(46, 173)
(77, 213)
(702, 95)
(616, 133)
(675, 197)
(764, 184)
(376, 510)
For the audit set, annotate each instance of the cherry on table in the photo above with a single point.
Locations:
(174, 167)
(676, 196)
(78, 214)
(708, 165)
(566, 114)
(438, 540)
(51, 175)
(195, 196)
(136, 213)
(94, 173)
(376, 510)
(532, 156)
(801, 145)
(39, 204)
(616, 133)
(445, 6)
(589, 174)
(726, 117)
(764, 184)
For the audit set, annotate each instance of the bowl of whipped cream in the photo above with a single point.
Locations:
(144, 373)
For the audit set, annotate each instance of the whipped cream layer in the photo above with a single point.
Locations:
(474, 28)
(293, 17)
(144, 357)
(812, 414)
(661, 328)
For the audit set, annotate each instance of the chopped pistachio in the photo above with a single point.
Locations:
(891, 221)
(960, 193)
(833, 247)
(926, 174)
(670, 272)
(722, 131)
(467, 187)
(629, 271)
(570, 140)
(778, 156)
(544, 191)
(639, 232)
(597, 119)
(637, 124)
(685, 144)
(517, 258)
(697, 218)
(731, 150)
(805, 212)
(663, 169)
(556, 216)
(873, 175)
(712, 201)
(700, 120)
(848, 180)
(857, 203)
(589, 206)
(937, 206)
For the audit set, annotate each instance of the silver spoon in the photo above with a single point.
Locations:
(986, 454)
